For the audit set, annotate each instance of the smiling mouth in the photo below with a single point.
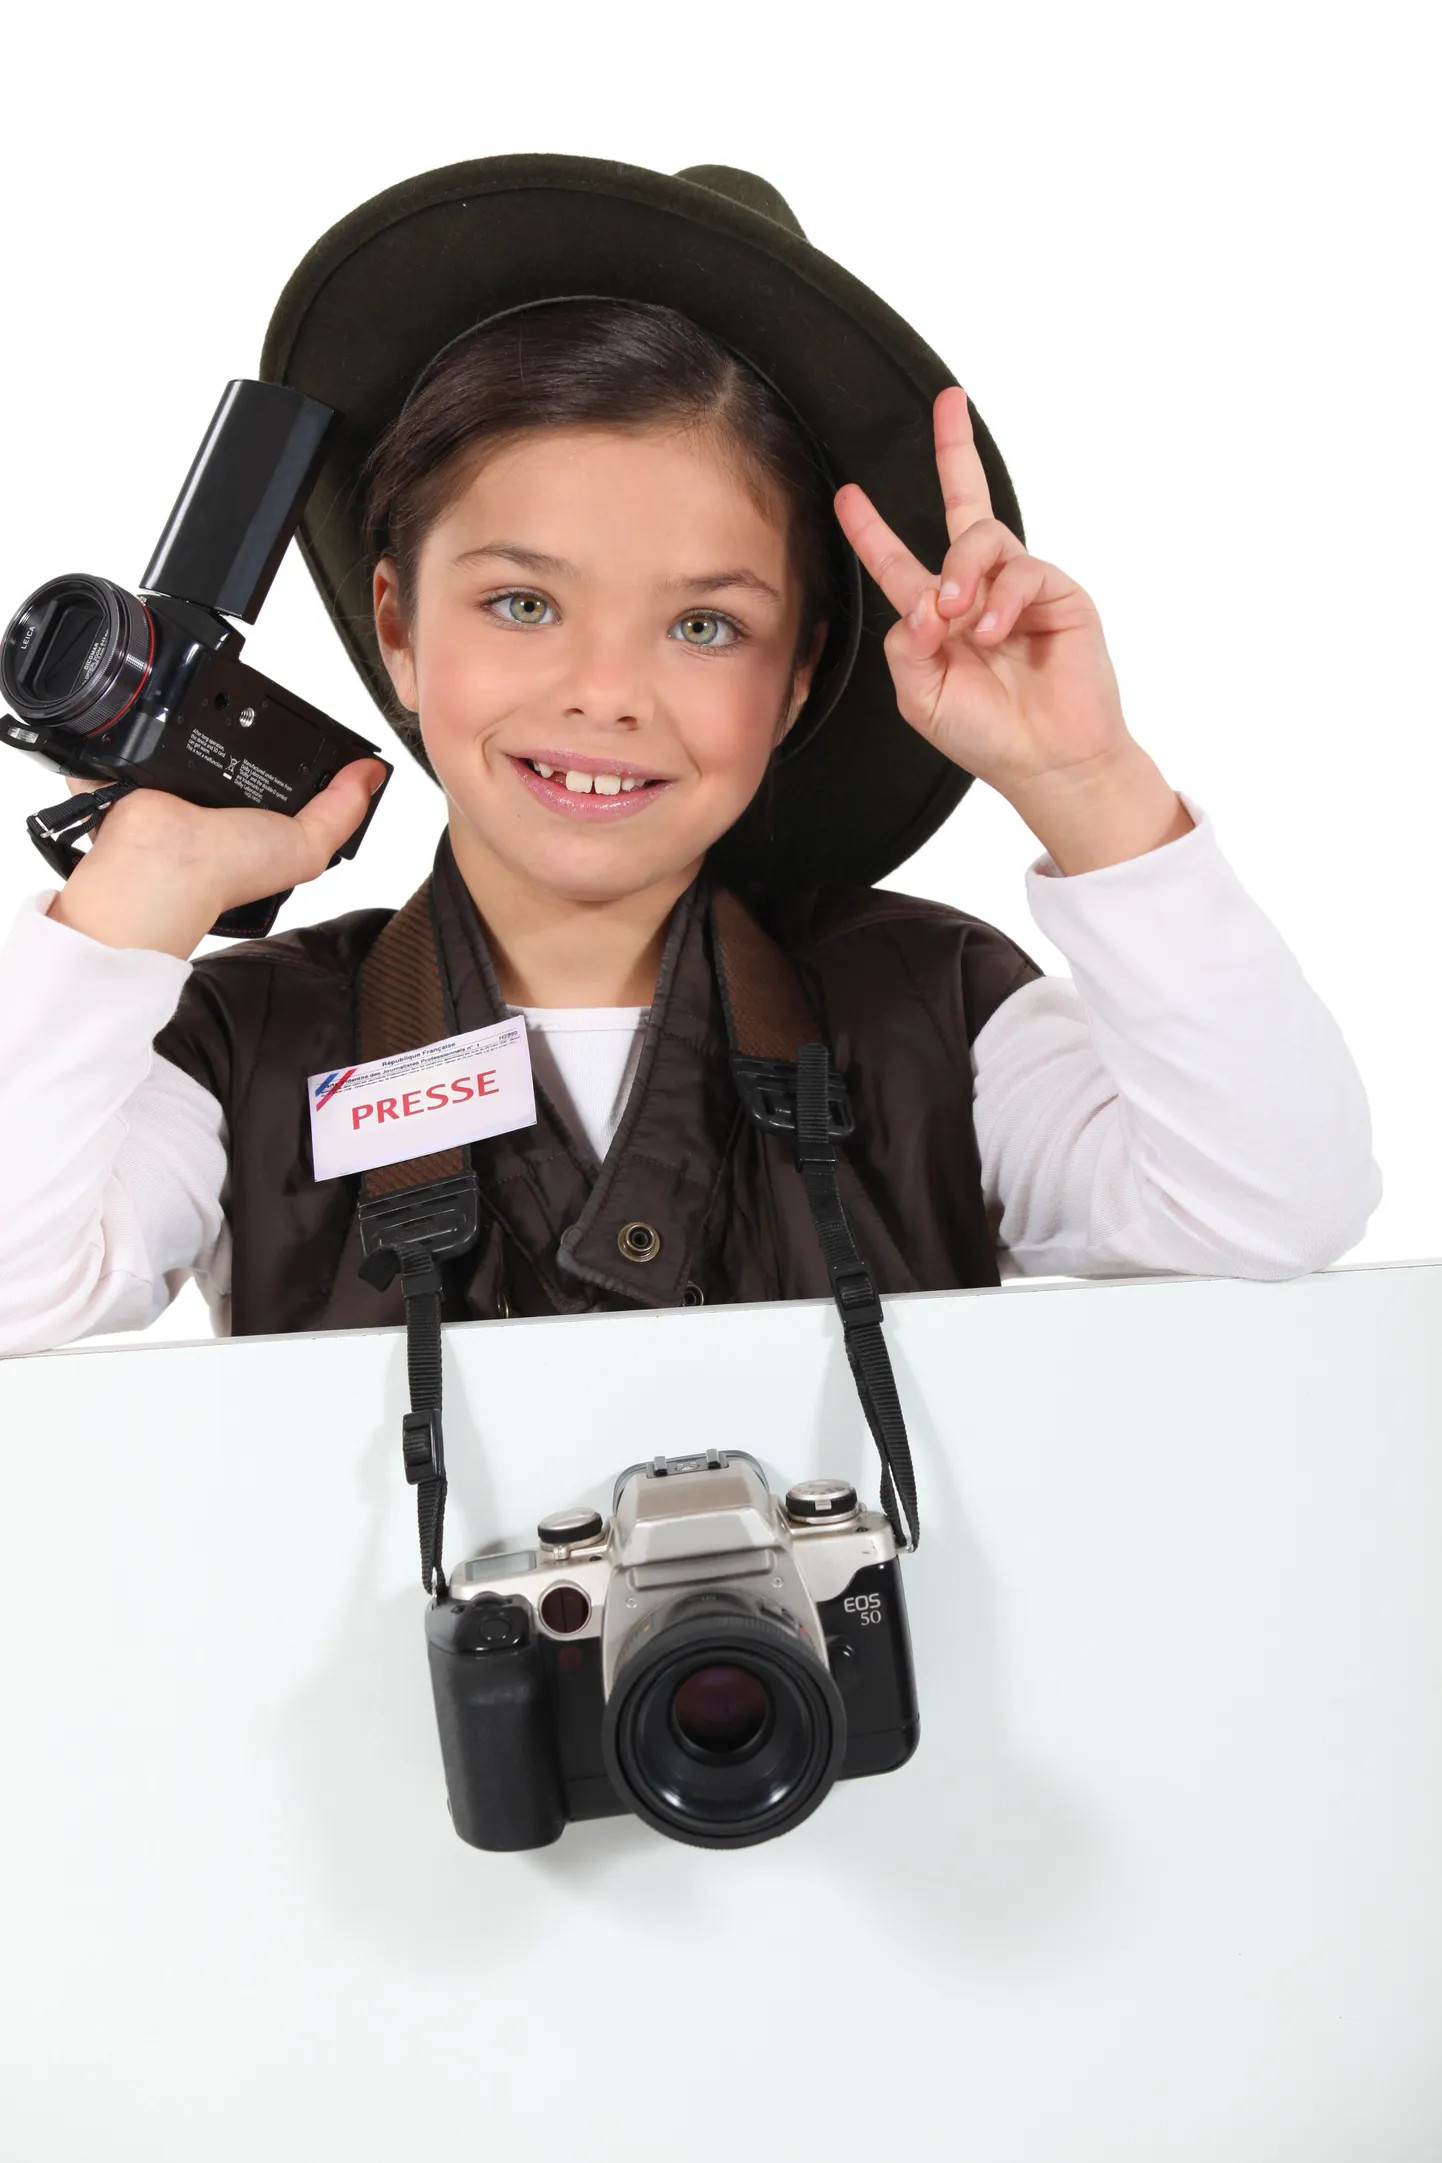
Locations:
(589, 791)
(581, 783)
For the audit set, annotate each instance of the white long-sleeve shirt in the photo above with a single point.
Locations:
(1184, 1103)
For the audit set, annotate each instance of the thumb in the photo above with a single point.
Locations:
(333, 816)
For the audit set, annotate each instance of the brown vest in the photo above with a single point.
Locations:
(900, 988)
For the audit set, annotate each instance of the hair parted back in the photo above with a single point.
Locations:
(628, 365)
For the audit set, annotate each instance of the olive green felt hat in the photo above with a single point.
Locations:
(854, 789)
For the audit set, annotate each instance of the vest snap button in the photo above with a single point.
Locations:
(639, 1242)
(693, 1296)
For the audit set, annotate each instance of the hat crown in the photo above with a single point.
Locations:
(747, 189)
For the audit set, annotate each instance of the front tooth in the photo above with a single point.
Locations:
(629, 785)
(608, 784)
(581, 783)
(545, 772)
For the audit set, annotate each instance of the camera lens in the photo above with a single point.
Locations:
(70, 648)
(75, 655)
(723, 1726)
(721, 1709)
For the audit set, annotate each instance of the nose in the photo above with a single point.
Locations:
(605, 679)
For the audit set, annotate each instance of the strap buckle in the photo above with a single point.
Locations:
(440, 1218)
(857, 1298)
(56, 830)
(422, 1450)
(767, 1088)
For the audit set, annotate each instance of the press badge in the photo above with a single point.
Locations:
(436, 1097)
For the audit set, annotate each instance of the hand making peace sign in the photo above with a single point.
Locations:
(1029, 697)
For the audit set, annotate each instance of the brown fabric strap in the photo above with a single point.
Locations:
(400, 1006)
(767, 1008)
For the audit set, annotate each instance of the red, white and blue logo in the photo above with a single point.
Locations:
(326, 1088)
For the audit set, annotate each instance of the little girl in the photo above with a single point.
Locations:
(609, 583)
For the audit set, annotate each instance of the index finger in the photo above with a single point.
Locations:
(901, 578)
(958, 463)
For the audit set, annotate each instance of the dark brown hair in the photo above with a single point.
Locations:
(628, 365)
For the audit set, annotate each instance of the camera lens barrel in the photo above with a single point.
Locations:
(75, 654)
(723, 1727)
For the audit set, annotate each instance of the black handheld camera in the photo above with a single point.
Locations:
(711, 1659)
(149, 690)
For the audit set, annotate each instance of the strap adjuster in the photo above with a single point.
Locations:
(767, 1088)
(421, 1448)
(442, 1217)
(857, 1298)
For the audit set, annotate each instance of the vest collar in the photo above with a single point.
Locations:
(566, 1212)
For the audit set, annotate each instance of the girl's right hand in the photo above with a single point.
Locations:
(159, 870)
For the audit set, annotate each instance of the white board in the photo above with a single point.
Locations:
(1163, 1880)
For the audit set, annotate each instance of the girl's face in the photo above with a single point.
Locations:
(600, 657)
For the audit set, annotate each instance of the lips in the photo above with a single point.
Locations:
(587, 788)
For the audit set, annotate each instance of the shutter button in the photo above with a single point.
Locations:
(639, 1242)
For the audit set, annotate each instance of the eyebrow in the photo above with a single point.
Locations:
(534, 559)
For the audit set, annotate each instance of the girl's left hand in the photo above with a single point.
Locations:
(1009, 676)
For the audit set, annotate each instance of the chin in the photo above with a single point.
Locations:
(604, 876)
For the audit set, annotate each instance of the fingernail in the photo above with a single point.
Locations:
(918, 615)
(987, 622)
(950, 590)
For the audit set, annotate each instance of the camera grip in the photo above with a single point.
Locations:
(497, 1743)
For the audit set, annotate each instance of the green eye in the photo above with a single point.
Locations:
(711, 625)
(527, 601)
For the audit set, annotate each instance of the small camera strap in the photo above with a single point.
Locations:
(57, 828)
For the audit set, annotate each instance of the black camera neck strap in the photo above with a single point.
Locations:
(415, 1214)
(788, 1086)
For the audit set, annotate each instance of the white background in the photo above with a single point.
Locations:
(1184, 263)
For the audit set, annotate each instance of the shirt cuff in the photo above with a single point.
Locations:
(1184, 850)
(56, 970)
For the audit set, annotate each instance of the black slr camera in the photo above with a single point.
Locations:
(149, 690)
(708, 1658)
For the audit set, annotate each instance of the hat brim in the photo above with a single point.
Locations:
(400, 276)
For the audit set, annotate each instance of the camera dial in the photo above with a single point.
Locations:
(570, 1528)
(812, 1502)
